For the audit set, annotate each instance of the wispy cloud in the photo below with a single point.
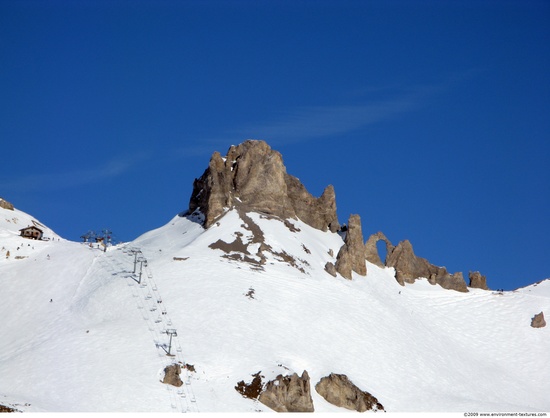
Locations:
(310, 122)
(370, 105)
(66, 180)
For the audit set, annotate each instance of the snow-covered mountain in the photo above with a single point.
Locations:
(86, 330)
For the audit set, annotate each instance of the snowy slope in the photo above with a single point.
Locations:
(94, 348)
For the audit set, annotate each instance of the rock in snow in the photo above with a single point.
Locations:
(340, 391)
(288, 394)
(538, 321)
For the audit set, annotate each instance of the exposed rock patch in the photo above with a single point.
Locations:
(254, 175)
(340, 391)
(253, 389)
(238, 250)
(288, 394)
(538, 321)
(4, 408)
(351, 256)
(172, 375)
(477, 280)
(5, 204)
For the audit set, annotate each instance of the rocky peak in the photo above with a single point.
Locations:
(253, 176)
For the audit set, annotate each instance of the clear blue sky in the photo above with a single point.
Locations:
(430, 118)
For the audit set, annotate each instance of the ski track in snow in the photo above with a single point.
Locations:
(100, 345)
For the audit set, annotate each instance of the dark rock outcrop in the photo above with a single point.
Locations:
(371, 251)
(253, 389)
(4, 408)
(288, 394)
(477, 280)
(340, 391)
(538, 321)
(253, 175)
(172, 375)
(409, 267)
(5, 204)
(351, 256)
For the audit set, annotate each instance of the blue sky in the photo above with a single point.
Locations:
(431, 119)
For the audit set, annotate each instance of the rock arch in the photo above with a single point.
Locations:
(371, 252)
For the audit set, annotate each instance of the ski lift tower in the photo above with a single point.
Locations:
(172, 333)
(135, 251)
(107, 235)
(141, 260)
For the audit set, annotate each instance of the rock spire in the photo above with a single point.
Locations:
(253, 176)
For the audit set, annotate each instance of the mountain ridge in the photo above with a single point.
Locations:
(86, 330)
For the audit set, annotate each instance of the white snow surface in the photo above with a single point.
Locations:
(98, 344)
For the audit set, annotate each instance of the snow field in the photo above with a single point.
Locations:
(98, 345)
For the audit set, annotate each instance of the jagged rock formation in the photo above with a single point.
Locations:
(538, 321)
(253, 175)
(288, 394)
(477, 280)
(371, 251)
(5, 204)
(340, 391)
(351, 256)
(408, 267)
(172, 375)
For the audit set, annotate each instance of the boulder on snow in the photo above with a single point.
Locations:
(351, 256)
(172, 375)
(288, 394)
(340, 391)
(477, 280)
(254, 176)
(538, 321)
